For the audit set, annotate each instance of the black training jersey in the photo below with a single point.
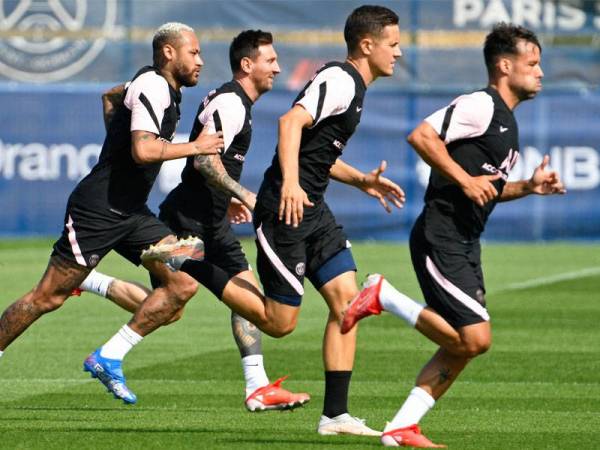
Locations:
(481, 135)
(227, 109)
(117, 182)
(334, 99)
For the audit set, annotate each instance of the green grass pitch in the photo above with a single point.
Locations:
(537, 388)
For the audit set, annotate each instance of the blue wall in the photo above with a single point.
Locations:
(53, 71)
(45, 152)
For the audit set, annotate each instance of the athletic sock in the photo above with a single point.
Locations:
(118, 345)
(1, 353)
(337, 383)
(97, 283)
(418, 403)
(395, 302)
(254, 373)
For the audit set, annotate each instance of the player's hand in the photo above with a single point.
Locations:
(383, 189)
(209, 144)
(292, 203)
(546, 182)
(481, 189)
(238, 213)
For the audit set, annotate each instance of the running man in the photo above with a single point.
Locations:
(471, 146)
(297, 235)
(107, 209)
(202, 205)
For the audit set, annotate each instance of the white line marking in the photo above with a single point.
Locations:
(542, 281)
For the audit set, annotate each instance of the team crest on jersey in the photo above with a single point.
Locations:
(51, 40)
(300, 268)
(93, 260)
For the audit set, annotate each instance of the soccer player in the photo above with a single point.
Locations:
(471, 146)
(200, 204)
(107, 209)
(297, 235)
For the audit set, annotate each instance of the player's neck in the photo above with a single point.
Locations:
(170, 79)
(508, 96)
(248, 87)
(363, 68)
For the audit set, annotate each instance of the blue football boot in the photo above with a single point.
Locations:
(110, 373)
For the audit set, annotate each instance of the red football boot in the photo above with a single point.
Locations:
(365, 304)
(407, 437)
(273, 396)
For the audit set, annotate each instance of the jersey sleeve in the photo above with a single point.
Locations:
(329, 94)
(224, 113)
(467, 116)
(147, 98)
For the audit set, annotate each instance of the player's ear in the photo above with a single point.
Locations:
(246, 64)
(366, 45)
(168, 52)
(504, 65)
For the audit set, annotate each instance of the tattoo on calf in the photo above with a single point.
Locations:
(17, 319)
(445, 375)
(247, 336)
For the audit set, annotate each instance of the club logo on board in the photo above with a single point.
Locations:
(51, 40)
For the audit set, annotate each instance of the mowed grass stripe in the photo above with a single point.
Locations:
(536, 388)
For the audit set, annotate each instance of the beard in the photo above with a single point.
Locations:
(185, 77)
(526, 94)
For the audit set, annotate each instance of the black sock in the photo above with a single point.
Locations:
(337, 383)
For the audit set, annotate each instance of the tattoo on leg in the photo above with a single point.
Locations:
(16, 319)
(247, 336)
(445, 375)
(61, 277)
(71, 274)
(153, 315)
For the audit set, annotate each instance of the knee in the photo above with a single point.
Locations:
(175, 317)
(337, 307)
(476, 348)
(182, 289)
(281, 330)
(45, 302)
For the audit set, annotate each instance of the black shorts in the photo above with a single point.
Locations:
(318, 249)
(89, 234)
(450, 277)
(224, 257)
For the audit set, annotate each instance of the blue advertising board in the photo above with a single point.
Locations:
(45, 152)
(56, 58)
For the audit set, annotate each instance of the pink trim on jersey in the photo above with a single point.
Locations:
(74, 244)
(455, 292)
(276, 262)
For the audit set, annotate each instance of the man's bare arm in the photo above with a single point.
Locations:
(372, 183)
(111, 100)
(213, 170)
(147, 148)
(427, 143)
(542, 182)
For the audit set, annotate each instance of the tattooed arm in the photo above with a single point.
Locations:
(148, 148)
(111, 100)
(212, 168)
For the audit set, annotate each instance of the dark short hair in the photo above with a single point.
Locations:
(245, 45)
(503, 40)
(367, 20)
